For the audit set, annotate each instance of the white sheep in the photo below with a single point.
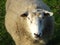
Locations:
(29, 22)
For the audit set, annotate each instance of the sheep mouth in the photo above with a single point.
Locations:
(36, 41)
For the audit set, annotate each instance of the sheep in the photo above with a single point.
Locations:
(29, 22)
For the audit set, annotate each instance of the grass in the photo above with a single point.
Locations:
(5, 38)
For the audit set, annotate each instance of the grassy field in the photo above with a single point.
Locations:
(5, 38)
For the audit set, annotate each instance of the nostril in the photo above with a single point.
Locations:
(40, 21)
(36, 35)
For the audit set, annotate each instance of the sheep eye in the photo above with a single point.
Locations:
(46, 14)
(24, 15)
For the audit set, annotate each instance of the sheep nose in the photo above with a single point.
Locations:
(37, 35)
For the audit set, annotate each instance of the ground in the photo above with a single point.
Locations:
(5, 38)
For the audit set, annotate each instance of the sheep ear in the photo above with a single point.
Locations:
(51, 13)
(48, 13)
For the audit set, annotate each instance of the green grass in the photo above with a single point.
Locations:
(5, 38)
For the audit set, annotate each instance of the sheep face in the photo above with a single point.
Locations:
(35, 22)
